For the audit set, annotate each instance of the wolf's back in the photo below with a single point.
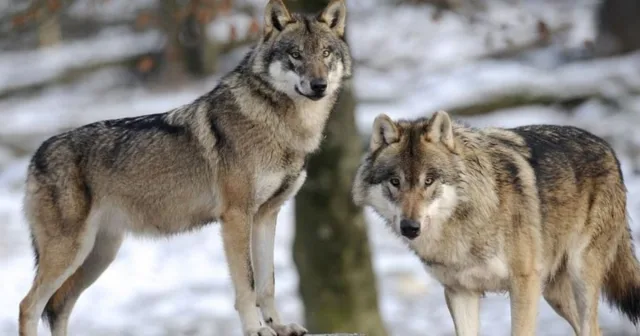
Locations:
(554, 149)
(583, 164)
(569, 162)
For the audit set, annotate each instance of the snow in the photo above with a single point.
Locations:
(20, 68)
(108, 10)
(221, 29)
(412, 67)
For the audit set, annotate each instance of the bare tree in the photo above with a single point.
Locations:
(188, 50)
(618, 27)
(45, 17)
(331, 246)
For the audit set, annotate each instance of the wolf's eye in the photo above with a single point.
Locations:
(395, 181)
(295, 55)
(326, 53)
(428, 181)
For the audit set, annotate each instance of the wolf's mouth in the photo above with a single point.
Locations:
(314, 97)
(410, 236)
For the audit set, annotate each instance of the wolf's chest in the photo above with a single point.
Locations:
(491, 275)
(313, 117)
(267, 184)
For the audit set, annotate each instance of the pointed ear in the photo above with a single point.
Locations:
(276, 17)
(440, 129)
(335, 16)
(384, 132)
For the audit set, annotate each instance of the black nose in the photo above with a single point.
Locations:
(318, 85)
(410, 228)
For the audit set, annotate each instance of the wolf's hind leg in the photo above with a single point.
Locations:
(587, 265)
(559, 294)
(263, 236)
(62, 243)
(63, 300)
(586, 280)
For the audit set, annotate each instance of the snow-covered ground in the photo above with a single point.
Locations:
(181, 286)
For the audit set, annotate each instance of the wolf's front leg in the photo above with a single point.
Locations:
(464, 307)
(525, 293)
(236, 236)
(263, 236)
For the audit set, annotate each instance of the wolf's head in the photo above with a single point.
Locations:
(409, 174)
(304, 56)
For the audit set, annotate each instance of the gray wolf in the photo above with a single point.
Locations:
(233, 155)
(537, 210)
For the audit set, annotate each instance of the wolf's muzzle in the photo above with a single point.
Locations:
(318, 86)
(410, 228)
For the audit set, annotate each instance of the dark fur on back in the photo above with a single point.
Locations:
(557, 153)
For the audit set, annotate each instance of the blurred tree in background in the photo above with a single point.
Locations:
(45, 17)
(188, 50)
(331, 246)
(618, 27)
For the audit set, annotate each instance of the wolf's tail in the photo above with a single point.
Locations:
(622, 282)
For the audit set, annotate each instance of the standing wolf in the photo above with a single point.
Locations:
(234, 155)
(529, 210)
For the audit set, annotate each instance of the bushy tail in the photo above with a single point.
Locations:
(622, 283)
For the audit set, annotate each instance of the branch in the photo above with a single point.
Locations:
(565, 85)
(507, 100)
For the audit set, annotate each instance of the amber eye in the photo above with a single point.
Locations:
(395, 181)
(326, 53)
(295, 55)
(428, 181)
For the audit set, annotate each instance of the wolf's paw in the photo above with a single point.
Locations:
(263, 331)
(291, 329)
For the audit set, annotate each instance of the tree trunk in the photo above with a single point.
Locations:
(200, 52)
(187, 51)
(331, 246)
(618, 27)
(173, 69)
(49, 32)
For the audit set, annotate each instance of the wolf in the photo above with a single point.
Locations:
(233, 155)
(535, 210)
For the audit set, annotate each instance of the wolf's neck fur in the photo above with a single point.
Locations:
(245, 101)
(258, 100)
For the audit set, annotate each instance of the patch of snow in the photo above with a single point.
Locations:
(106, 11)
(223, 27)
(22, 68)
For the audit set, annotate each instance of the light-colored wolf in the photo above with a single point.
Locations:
(532, 210)
(234, 155)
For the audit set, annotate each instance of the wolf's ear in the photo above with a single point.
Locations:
(276, 16)
(384, 132)
(440, 129)
(335, 16)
